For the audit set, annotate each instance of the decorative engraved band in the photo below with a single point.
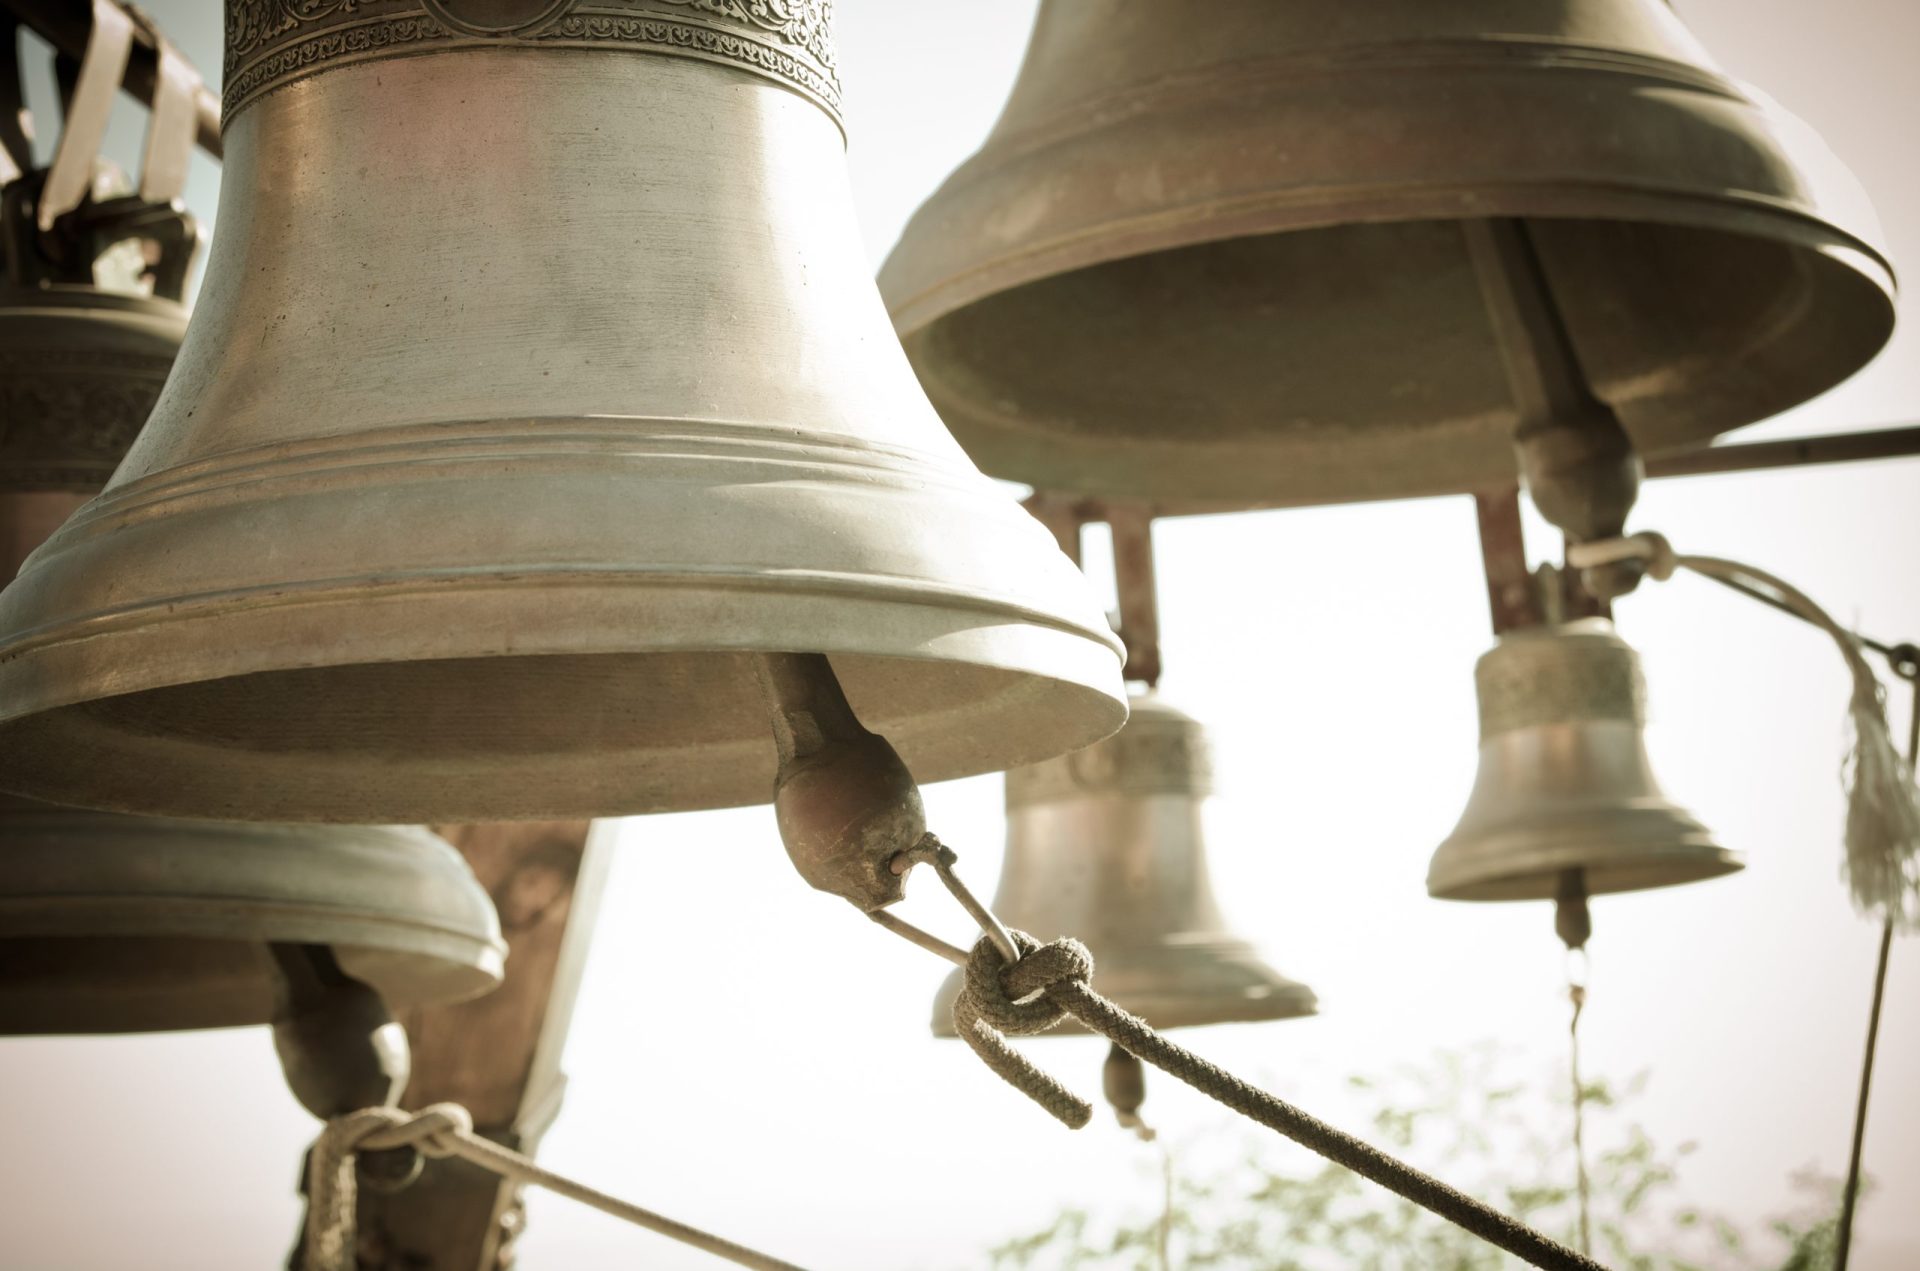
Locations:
(66, 418)
(1150, 755)
(274, 42)
(1542, 678)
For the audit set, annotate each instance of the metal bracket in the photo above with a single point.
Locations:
(1131, 522)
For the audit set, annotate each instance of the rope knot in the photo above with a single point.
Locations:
(998, 1000)
(431, 1130)
(1013, 999)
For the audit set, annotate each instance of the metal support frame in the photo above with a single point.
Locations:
(1131, 523)
(68, 24)
(499, 1056)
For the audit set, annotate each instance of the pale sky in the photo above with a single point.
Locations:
(787, 1093)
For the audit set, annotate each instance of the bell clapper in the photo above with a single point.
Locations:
(340, 1049)
(849, 811)
(1124, 1082)
(1578, 463)
(846, 804)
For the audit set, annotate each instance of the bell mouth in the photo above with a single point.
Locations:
(1355, 361)
(531, 619)
(516, 737)
(1529, 862)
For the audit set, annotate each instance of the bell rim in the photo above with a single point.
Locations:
(1039, 660)
(1060, 665)
(1689, 858)
(1241, 472)
(1748, 215)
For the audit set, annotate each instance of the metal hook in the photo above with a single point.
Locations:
(931, 851)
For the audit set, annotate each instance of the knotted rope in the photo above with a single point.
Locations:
(1882, 862)
(443, 1130)
(1050, 982)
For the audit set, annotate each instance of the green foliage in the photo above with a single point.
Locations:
(1464, 1121)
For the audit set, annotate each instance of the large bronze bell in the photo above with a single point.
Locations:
(1105, 845)
(1565, 803)
(538, 381)
(1216, 250)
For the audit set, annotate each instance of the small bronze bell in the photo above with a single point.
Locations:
(537, 383)
(118, 924)
(1105, 845)
(1216, 251)
(1564, 787)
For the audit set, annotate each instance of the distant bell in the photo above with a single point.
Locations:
(121, 924)
(1105, 845)
(85, 346)
(538, 380)
(1564, 784)
(1215, 251)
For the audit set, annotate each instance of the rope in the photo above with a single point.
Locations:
(1049, 982)
(443, 1130)
(1882, 863)
(1850, 1194)
(1577, 994)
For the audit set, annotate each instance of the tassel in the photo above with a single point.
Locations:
(1883, 813)
(1882, 861)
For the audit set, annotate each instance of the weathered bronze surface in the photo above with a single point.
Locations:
(118, 924)
(1564, 783)
(1215, 251)
(1105, 845)
(535, 386)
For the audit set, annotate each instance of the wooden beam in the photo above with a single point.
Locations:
(499, 1056)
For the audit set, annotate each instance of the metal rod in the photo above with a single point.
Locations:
(68, 25)
(1850, 1196)
(942, 858)
(925, 939)
(1789, 452)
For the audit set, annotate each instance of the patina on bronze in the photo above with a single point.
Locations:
(1215, 251)
(1564, 786)
(1105, 845)
(538, 383)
